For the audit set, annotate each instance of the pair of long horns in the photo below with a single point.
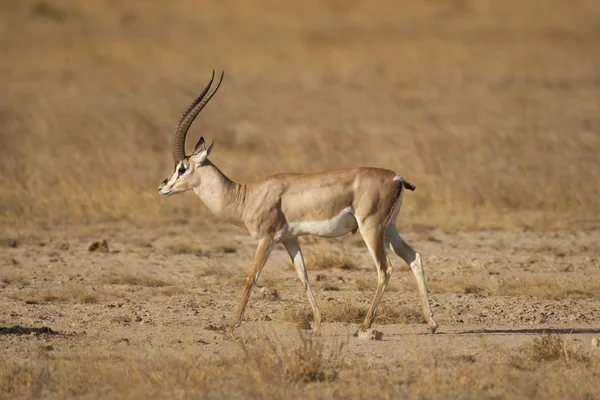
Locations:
(189, 116)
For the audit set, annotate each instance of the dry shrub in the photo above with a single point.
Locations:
(136, 280)
(551, 347)
(304, 360)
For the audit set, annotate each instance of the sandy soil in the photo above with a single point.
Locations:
(160, 287)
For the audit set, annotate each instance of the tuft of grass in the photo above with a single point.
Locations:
(473, 289)
(329, 257)
(394, 314)
(303, 361)
(77, 294)
(136, 280)
(552, 347)
(184, 248)
(346, 312)
(303, 317)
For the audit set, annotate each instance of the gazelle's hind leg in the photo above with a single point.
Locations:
(374, 239)
(413, 259)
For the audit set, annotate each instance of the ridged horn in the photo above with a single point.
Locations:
(189, 116)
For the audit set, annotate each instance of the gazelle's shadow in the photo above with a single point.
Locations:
(533, 331)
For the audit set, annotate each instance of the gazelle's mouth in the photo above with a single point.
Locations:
(163, 193)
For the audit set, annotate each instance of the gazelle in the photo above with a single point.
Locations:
(282, 207)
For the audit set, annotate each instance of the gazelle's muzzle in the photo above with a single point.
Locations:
(165, 189)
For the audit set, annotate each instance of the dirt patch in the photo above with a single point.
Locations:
(147, 313)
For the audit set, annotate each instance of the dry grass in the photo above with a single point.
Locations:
(136, 280)
(75, 294)
(351, 313)
(265, 367)
(15, 279)
(302, 368)
(302, 316)
(491, 108)
(551, 347)
(328, 257)
(535, 286)
(302, 362)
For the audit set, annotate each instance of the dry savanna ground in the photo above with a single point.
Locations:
(492, 108)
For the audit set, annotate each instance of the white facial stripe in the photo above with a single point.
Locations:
(176, 174)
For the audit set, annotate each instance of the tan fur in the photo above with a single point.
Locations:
(371, 197)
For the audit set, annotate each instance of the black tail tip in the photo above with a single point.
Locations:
(409, 186)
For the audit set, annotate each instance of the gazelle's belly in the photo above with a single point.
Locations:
(339, 225)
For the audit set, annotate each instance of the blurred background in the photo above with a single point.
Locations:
(492, 108)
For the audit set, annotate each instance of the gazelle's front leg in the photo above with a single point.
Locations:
(265, 245)
(293, 248)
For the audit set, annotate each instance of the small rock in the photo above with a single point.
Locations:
(101, 247)
(372, 334)
(304, 325)
(269, 294)
(211, 327)
(595, 342)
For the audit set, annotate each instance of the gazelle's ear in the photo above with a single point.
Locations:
(209, 148)
(199, 146)
(199, 157)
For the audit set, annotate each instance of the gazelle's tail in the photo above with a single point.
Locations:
(405, 183)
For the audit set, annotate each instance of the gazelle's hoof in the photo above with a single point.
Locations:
(229, 331)
(433, 326)
(361, 328)
(369, 334)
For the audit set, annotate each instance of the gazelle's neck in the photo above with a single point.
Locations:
(221, 195)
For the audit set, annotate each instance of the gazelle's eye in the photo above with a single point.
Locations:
(181, 170)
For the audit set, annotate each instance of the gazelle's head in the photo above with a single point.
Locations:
(186, 174)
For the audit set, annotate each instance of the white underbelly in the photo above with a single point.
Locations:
(339, 225)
